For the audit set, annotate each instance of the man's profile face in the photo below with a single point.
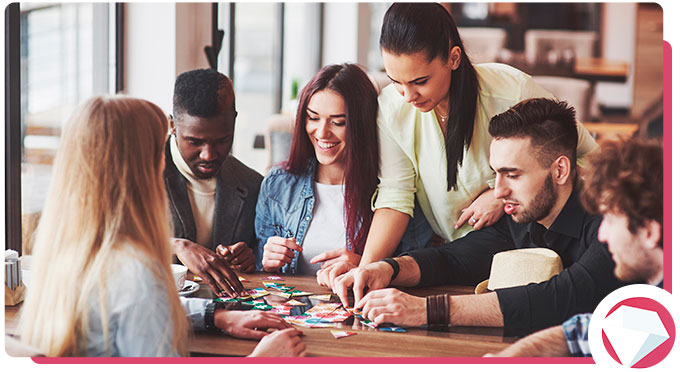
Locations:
(525, 187)
(205, 142)
(627, 249)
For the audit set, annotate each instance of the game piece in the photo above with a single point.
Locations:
(282, 294)
(283, 288)
(294, 303)
(355, 311)
(368, 323)
(273, 284)
(341, 334)
(226, 299)
(257, 292)
(299, 293)
(392, 329)
(197, 278)
(262, 306)
(281, 310)
(242, 279)
(253, 302)
(325, 297)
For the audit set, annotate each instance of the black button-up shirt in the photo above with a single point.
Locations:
(587, 278)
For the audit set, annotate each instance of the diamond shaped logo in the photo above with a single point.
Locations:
(633, 333)
(632, 327)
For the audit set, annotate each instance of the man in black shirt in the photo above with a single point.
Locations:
(533, 153)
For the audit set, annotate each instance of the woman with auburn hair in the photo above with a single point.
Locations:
(102, 284)
(315, 209)
(433, 124)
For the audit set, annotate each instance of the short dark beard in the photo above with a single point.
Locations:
(540, 205)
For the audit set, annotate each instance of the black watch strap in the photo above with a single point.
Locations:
(209, 317)
(395, 266)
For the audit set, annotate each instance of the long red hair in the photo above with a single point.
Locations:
(361, 166)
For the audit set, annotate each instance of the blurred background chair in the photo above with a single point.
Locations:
(278, 138)
(562, 48)
(576, 92)
(483, 44)
(539, 44)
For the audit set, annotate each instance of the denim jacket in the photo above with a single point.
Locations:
(285, 205)
(284, 208)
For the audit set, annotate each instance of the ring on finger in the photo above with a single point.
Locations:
(474, 220)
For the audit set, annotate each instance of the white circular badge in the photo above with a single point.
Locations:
(633, 327)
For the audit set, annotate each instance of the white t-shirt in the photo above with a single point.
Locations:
(327, 229)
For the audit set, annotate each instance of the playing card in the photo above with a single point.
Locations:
(320, 297)
(294, 303)
(341, 334)
(257, 292)
(392, 329)
(282, 294)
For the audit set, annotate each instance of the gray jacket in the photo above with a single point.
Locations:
(235, 200)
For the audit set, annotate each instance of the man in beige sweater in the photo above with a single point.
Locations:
(212, 195)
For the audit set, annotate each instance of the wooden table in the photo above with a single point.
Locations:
(416, 342)
(606, 131)
(592, 69)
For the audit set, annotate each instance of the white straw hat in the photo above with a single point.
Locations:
(521, 267)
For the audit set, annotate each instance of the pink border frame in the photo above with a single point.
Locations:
(667, 215)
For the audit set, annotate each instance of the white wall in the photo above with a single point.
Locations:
(150, 52)
(340, 37)
(618, 43)
(301, 46)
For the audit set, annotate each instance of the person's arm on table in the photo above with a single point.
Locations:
(394, 306)
(549, 342)
(283, 342)
(209, 266)
(465, 261)
(387, 227)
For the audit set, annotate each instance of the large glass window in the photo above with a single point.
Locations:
(256, 42)
(64, 60)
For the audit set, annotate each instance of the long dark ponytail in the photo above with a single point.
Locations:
(428, 27)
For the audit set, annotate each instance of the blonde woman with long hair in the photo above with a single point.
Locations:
(102, 284)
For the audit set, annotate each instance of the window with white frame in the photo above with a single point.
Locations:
(64, 60)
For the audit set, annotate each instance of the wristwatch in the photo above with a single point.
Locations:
(209, 318)
(395, 266)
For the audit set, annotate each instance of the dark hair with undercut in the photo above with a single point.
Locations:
(626, 178)
(428, 27)
(550, 124)
(202, 93)
(361, 151)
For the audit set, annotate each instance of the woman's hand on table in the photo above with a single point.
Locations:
(393, 306)
(483, 211)
(277, 252)
(284, 343)
(331, 257)
(326, 276)
(248, 324)
(376, 275)
(212, 268)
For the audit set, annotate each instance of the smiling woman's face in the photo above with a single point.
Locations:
(326, 127)
(424, 84)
